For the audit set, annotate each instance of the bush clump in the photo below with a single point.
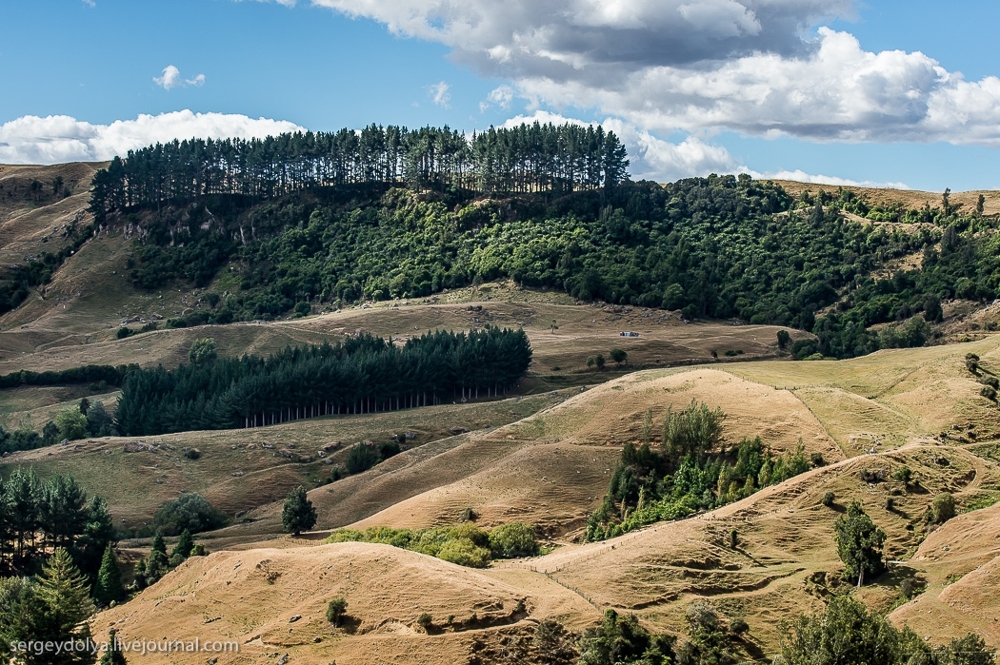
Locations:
(189, 511)
(336, 610)
(942, 508)
(465, 544)
(513, 540)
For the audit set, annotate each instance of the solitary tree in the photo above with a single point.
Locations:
(109, 579)
(859, 544)
(783, 339)
(114, 655)
(336, 610)
(942, 508)
(184, 545)
(63, 605)
(619, 356)
(72, 424)
(202, 351)
(298, 514)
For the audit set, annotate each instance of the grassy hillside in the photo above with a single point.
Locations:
(546, 455)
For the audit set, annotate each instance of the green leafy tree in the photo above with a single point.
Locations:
(189, 511)
(109, 579)
(202, 352)
(336, 610)
(621, 641)
(859, 544)
(783, 339)
(513, 540)
(72, 424)
(707, 640)
(360, 458)
(619, 356)
(942, 508)
(693, 431)
(298, 514)
(600, 361)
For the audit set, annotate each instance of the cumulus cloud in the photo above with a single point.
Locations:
(171, 78)
(653, 158)
(439, 94)
(502, 96)
(58, 139)
(752, 66)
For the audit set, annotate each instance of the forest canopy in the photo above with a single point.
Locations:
(364, 374)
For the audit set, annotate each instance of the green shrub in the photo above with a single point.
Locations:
(464, 553)
(513, 540)
(903, 474)
(336, 610)
(829, 498)
(189, 511)
(123, 332)
(360, 458)
(425, 621)
(817, 459)
(942, 508)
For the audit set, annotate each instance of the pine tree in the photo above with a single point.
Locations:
(159, 545)
(114, 655)
(298, 514)
(184, 546)
(62, 608)
(109, 579)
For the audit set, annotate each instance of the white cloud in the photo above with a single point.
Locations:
(439, 94)
(59, 139)
(801, 176)
(171, 78)
(653, 158)
(90, 3)
(502, 96)
(744, 65)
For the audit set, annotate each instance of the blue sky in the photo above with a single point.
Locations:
(878, 92)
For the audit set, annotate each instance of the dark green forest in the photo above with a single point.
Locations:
(363, 374)
(37, 516)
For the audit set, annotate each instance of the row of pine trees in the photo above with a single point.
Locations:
(526, 158)
(364, 374)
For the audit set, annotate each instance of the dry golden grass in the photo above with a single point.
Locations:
(543, 459)
(236, 472)
(911, 198)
